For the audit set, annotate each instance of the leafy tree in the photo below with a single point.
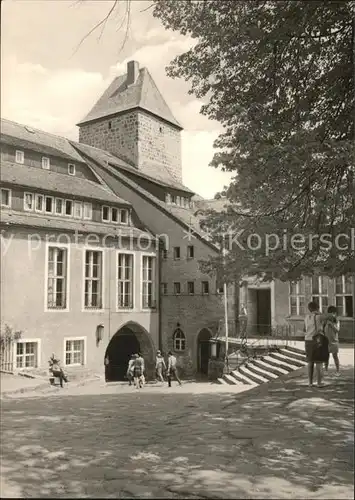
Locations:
(279, 77)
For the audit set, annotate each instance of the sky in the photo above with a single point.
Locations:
(50, 82)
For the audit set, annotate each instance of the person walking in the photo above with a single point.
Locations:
(160, 366)
(172, 369)
(137, 371)
(331, 330)
(316, 343)
(130, 369)
(142, 377)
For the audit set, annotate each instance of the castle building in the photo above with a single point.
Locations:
(100, 244)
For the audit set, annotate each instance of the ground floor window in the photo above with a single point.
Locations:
(179, 340)
(27, 354)
(74, 352)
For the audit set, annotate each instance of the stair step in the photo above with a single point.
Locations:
(293, 355)
(284, 359)
(270, 368)
(296, 350)
(258, 379)
(221, 381)
(277, 363)
(241, 378)
(260, 371)
(229, 379)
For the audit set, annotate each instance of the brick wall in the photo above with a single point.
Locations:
(139, 138)
(121, 139)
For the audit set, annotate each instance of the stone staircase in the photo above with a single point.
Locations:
(266, 368)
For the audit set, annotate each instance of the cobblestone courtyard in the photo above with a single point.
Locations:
(280, 441)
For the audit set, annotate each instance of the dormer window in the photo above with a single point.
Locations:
(106, 214)
(71, 169)
(45, 163)
(20, 157)
(124, 216)
(114, 214)
(173, 200)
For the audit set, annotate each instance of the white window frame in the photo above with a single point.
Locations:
(37, 197)
(126, 308)
(187, 290)
(9, 195)
(72, 339)
(19, 157)
(154, 282)
(177, 258)
(321, 295)
(126, 211)
(50, 309)
(80, 205)
(46, 163)
(343, 295)
(109, 213)
(55, 206)
(117, 210)
(299, 296)
(24, 201)
(85, 308)
(72, 208)
(87, 205)
(176, 283)
(27, 341)
(45, 200)
(202, 287)
(178, 341)
(193, 252)
(74, 169)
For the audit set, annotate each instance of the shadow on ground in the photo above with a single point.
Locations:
(280, 441)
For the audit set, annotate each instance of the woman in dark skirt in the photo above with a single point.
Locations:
(316, 343)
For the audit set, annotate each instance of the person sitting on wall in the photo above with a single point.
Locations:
(56, 369)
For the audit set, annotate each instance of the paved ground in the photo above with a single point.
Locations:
(281, 440)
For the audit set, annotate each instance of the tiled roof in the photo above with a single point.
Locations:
(17, 134)
(184, 216)
(119, 97)
(53, 223)
(36, 178)
(154, 169)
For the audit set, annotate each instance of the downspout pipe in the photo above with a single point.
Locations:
(160, 320)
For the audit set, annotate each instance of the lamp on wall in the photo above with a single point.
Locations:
(99, 333)
(213, 344)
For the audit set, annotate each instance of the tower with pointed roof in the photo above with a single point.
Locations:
(133, 121)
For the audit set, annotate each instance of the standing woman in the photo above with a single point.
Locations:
(331, 330)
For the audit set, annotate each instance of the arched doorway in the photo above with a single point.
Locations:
(203, 351)
(129, 339)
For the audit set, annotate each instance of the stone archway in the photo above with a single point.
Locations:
(203, 351)
(129, 339)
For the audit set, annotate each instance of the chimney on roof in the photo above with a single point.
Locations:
(132, 72)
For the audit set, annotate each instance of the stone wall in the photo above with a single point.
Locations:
(140, 138)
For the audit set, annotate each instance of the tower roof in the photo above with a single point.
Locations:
(135, 89)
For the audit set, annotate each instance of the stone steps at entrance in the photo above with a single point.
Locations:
(266, 368)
